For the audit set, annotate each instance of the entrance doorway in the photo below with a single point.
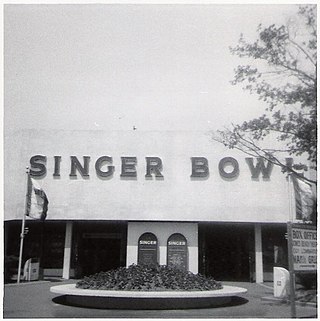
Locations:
(226, 251)
(100, 254)
(98, 247)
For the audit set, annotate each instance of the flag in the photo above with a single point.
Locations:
(304, 197)
(37, 201)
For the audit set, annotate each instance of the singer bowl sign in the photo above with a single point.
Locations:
(304, 248)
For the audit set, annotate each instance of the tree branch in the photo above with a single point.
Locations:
(303, 50)
(252, 149)
(297, 71)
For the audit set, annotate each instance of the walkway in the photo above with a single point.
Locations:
(34, 300)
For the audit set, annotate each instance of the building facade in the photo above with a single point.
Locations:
(123, 197)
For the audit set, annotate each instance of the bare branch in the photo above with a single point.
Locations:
(250, 148)
(303, 50)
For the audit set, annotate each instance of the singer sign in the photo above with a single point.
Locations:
(154, 167)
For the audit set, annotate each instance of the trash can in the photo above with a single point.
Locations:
(281, 280)
(31, 269)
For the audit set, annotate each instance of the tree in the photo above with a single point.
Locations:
(283, 73)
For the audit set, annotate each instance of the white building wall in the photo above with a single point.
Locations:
(176, 197)
(163, 230)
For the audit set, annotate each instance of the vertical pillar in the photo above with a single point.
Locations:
(194, 259)
(67, 251)
(258, 253)
(162, 252)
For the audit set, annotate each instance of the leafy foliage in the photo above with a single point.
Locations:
(283, 74)
(146, 277)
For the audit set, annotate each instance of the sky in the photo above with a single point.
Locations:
(112, 67)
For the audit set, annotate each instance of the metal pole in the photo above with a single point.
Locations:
(22, 228)
(291, 271)
(290, 252)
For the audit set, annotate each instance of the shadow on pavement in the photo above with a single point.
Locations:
(63, 300)
(235, 300)
(53, 280)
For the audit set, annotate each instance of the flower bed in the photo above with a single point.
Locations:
(150, 278)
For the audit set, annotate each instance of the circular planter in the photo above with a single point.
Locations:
(146, 300)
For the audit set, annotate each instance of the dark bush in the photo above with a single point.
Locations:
(152, 278)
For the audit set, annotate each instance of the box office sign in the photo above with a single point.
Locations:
(304, 248)
(147, 249)
(177, 252)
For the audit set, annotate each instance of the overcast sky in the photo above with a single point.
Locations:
(156, 67)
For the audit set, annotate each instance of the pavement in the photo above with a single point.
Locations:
(34, 300)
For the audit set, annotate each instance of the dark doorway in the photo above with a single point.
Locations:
(100, 254)
(98, 247)
(226, 251)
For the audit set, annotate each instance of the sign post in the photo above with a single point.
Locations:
(291, 271)
(302, 254)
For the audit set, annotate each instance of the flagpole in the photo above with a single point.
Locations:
(23, 226)
(290, 251)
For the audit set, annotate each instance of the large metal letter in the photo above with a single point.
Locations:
(39, 162)
(154, 165)
(100, 162)
(260, 167)
(57, 160)
(128, 167)
(200, 167)
(226, 161)
(75, 165)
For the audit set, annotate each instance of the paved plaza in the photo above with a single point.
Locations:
(34, 300)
